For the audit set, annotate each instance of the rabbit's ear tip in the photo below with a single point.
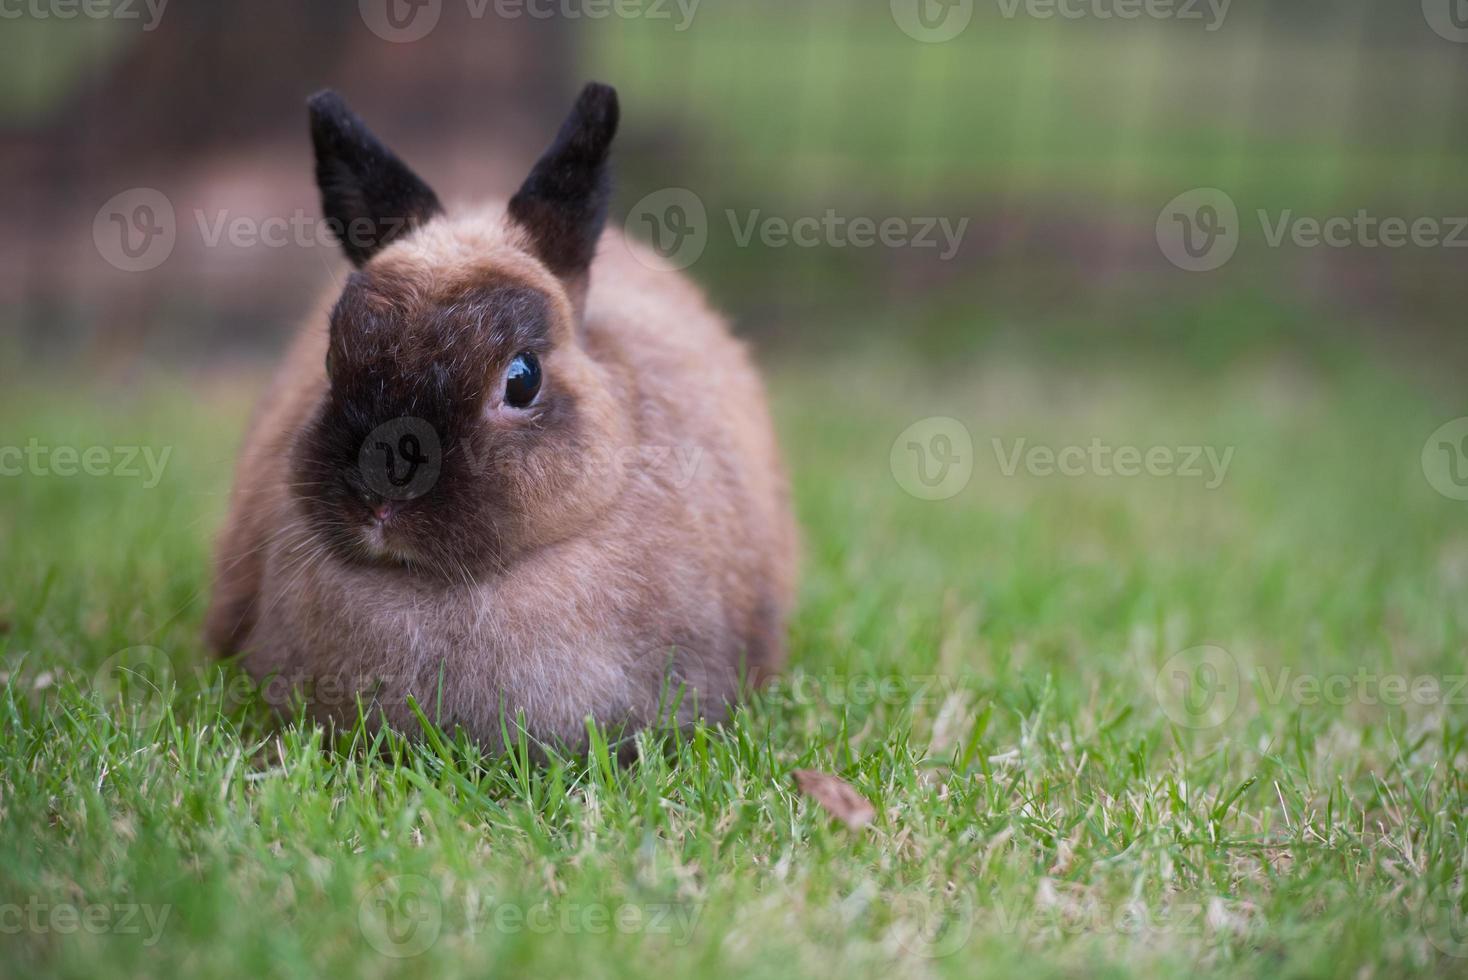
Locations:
(563, 202)
(598, 95)
(324, 99)
(598, 111)
(366, 191)
(329, 111)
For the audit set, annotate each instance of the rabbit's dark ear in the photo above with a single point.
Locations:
(563, 203)
(367, 193)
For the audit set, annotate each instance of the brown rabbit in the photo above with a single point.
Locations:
(519, 470)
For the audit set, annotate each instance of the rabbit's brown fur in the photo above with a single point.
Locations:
(635, 549)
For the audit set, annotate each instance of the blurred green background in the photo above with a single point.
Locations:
(1059, 140)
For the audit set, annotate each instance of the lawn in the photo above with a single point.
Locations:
(1210, 723)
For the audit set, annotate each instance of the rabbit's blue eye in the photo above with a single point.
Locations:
(522, 380)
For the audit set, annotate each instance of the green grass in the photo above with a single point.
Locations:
(982, 668)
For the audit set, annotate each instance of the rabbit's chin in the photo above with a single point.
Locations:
(386, 547)
(380, 544)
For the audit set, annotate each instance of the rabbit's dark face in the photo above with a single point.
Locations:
(452, 436)
(461, 421)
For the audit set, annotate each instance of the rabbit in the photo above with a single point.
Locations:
(519, 470)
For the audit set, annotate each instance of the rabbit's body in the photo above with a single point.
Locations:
(622, 544)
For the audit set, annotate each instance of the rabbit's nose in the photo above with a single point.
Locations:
(378, 505)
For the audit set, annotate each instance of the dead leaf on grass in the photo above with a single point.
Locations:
(837, 796)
